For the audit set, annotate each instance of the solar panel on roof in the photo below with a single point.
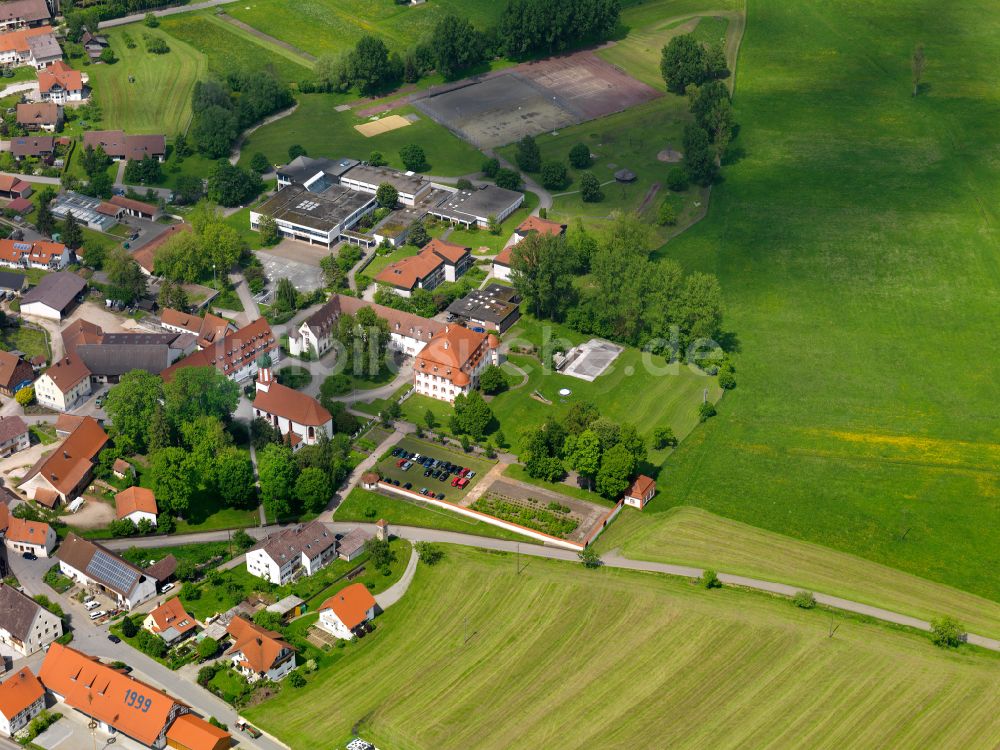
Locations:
(112, 571)
(21, 246)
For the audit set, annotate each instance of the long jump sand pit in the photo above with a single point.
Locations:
(382, 125)
(535, 97)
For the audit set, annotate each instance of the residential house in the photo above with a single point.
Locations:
(122, 468)
(25, 625)
(302, 549)
(15, 373)
(16, 14)
(93, 565)
(136, 504)
(641, 492)
(291, 412)
(65, 385)
(408, 332)
(35, 537)
(476, 207)
(366, 179)
(41, 254)
(59, 83)
(493, 308)
(14, 435)
(346, 611)
(352, 544)
(437, 262)
(37, 146)
(453, 361)
(115, 700)
(36, 46)
(190, 732)
(54, 296)
(119, 146)
(258, 653)
(145, 256)
(94, 44)
(170, 621)
(13, 187)
(531, 225)
(237, 355)
(66, 471)
(47, 116)
(22, 698)
(206, 330)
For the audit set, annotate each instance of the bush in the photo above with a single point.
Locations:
(554, 175)
(151, 20)
(579, 156)
(156, 45)
(726, 379)
(429, 553)
(206, 673)
(667, 216)
(108, 56)
(490, 167)
(664, 437)
(508, 179)
(207, 648)
(590, 188)
(129, 627)
(804, 599)
(677, 179)
(296, 680)
(706, 410)
(413, 157)
(25, 396)
(710, 580)
(464, 184)
(947, 632)
(589, 557)
(242, 540)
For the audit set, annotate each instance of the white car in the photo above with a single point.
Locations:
(92, 605)
(98, 613)
(166, 588)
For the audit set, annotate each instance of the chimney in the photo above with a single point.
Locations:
(65, 454)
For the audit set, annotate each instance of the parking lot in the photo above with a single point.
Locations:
(390, 470)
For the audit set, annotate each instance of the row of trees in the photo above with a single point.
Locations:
(604, 453)
(631, 298)
(221, 109)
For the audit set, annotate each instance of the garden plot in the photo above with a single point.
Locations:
(540, 509)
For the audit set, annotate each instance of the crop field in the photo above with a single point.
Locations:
(159, 99)
(612, 658)
(322, 131)
(229, 48)
(692, 536)
(328, 26)
(856, 244)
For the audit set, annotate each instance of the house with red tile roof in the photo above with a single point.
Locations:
(59, 83)
(116, 701)
(170, 621)
(190, 732)
(258, 653)
(437, 262)
(136, 504)
(15, 373)
(207, 330)
(291, 412)
(22, 698)
(531, 225)
(14, 436)
(41, 254)
(35, 46)
(452, 362)
(69, 468)
(35, 537)
(641, 492)
(64, 384)
(347, 610)
(237, 355)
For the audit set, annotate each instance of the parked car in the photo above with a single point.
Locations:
(395, 482)
(92, 605)
(408, 486)
(462, 482)
(444, 476)
(470, 475)
(29, 555)
(406, 466)
(395, 452)
(167, 588)
(427, 472)
(455, 481)
(440, 496)
(114, 638)
(463, 472)
(400, 462)
(248, 730)
(97, 614)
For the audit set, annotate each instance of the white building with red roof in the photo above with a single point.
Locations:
(41, 254)
(452, 362)
(22, 698)
(641, 492)
(437, 262)
(136, 504)
(59, 83)
(170, 621)
(236, 355)
(347, 610)
(290, 412)
(36, 537)
(531, 225)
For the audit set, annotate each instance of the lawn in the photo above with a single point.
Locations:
(743, 670)
(159, 101)
(857, 250)
(415, 475)
(29, 340)
(366, 506)
(228, 48)
(206, 512)
(381, 261)
(324, 132)
(480, 238)
(325, 26)
(692, 536)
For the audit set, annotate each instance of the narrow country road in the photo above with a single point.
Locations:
(136, 17)
(396, 591)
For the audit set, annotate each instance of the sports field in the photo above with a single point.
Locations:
(159, 99)
(560, 656)
(856, 243)
(325, 26)
(323, 131)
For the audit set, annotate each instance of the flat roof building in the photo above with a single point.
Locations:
(475, 207)
(496, 307)
(367, 179)
(318, 218)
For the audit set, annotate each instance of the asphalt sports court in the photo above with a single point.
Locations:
(589, 360)
(535, 97)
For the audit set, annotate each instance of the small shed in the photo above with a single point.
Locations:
(289, 607)
(625, 175)
(369, 480)
(641, 492)
(122, 468)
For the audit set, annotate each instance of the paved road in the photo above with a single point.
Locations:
(93, 640)
(33, 178)
(136, 17)
(243, 291)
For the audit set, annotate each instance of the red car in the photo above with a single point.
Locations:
(462, 482)
(463, 472)
(400, 462)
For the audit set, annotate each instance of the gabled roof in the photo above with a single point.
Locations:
(260, 647)
(59, 75)
(100, 564)
(232, 352)
(38, 113)
(102, 692)
(40, 251)
(27, 532)
(353, 541)
(24, 10)
(69, 463)
(146, 255)
(116, 144)
(13, 370)
(57, 290)
(452, 354)
(447, 251)
(19, 691)
(350, 605)
(171, 614)
(289, 403)
(194, 733)
(18, 39)
(67, 372)
(540, 225)
(408, 272)
(161, 570)
(122, 202)
(402, 323)
(17, 612)
(208, 329)
(135, 500)
(311, 539)
(32, 145)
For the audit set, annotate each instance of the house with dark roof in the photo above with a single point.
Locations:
(452, 362)
(15, 373)
(206, 330)
(14, 435)
(291, 412)
(301, 549)
(352, 544)
(237, 355)
(494, 308)
(258, 653)
(22, 698)
(476, 207)
(16, 14)
(29, 45)
(37, 146)
(54, 296)
(119, 146)
(47, 116)
(65, 471)
(349, 609)
(108, 356)
(25, 625)
(437, 262)
(94, 44)
(94, 565)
